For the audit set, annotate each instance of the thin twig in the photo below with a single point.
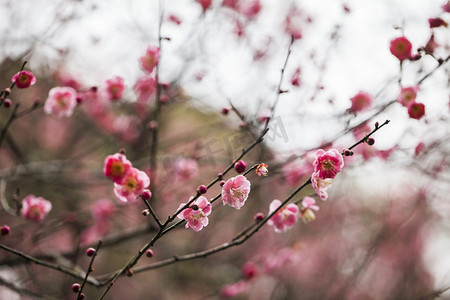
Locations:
(89, 270)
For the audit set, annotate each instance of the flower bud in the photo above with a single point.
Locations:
(202, 189)
(240, 166)
(149, 253)
(76, 287)
(5, 230)
(90, 251)
(146, 195)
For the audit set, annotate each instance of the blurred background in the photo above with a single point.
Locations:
(382, 234)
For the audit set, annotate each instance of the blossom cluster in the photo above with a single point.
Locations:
(326, 166)
(407, 98)
(129, 182)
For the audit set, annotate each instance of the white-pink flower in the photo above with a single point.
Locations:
(145, 87)
(185, 168)
(61, 101)
(114, 88)
(235, 191)
(321, 185)
(285, 217)
(35, 208)
(196, 215)
(408, 95)
(150, 59)
(361, 101)
(328, 164)
(132, 185)
(308, 207)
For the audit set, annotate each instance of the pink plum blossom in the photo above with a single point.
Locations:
(114, 88)
(150, 59)
(196, 215)
(308, 206)
(407, 95)
(328, 164)
(283, 258)
(416, 110)
(293, 23)
(235, 289)
(250, 8)
(235, 191)
(205, 4)
(116, 166)
(103, 210)
(321, 185)
(145, 87)
(61, 101)
(285, 217)
(250, 270)
(361, 101)
(261, 169)
(23, 79)
(401, 48)
(132, 185)
(186, 168)
(35, 208)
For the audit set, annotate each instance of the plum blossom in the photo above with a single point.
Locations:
(61, 101)
(407, 95)
(132, 185)
(328, 164)
(261, 169)
(35, 208)
(23, 79)
(145, 87)
(196, 215)
(102, 210)
(235, 191)
(401, 48)
(321, 185)
(361, 101)
(285, 217)
(416, 110)
(308, 205)
(293, 23)
(235, 289)
(150, 59)
(114, 88)
(116, 166)
(205, 4)
(186, 168)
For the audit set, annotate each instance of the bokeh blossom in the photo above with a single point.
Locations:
(150, 59)
(284, 218)
(35, 208)
(196, 215)
(235, 191)
(361, 101)
(114, 88)
(61, 101)
(401, 48)
(407, 95)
